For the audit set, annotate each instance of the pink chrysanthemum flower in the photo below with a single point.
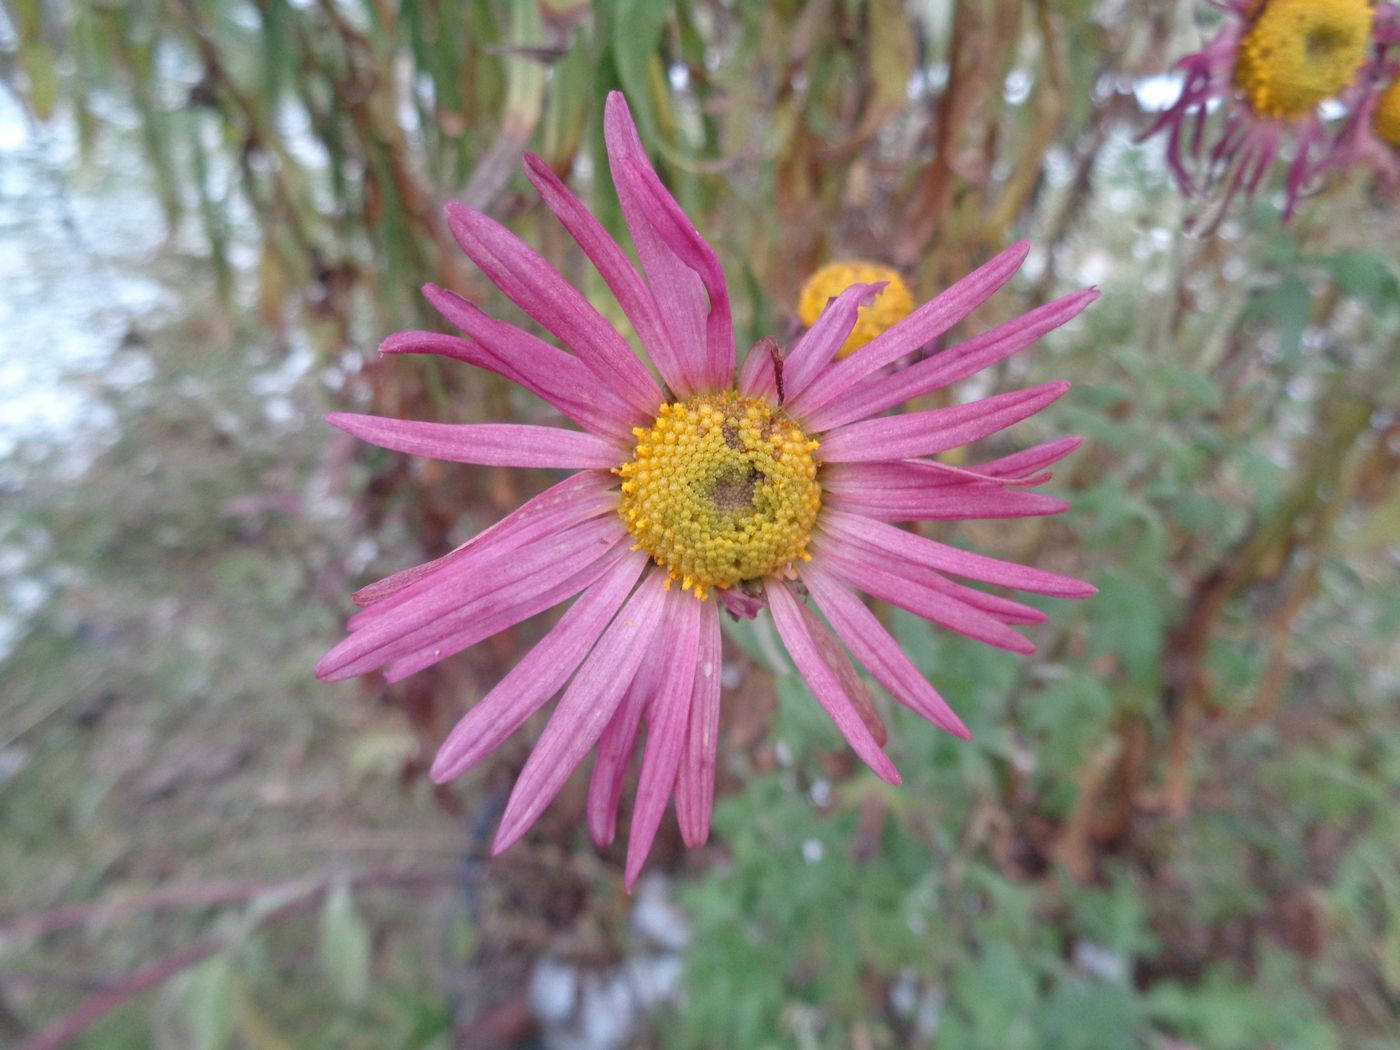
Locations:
(1259, 85)
(772, 484)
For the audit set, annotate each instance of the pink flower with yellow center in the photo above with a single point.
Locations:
(1370, 135)
(696, 484)
(1258, 86)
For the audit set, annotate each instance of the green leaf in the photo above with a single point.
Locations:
(1363, 275)
(1130, 624)
(1288, 307)
(345, 945)
(636, 34)
(210, 1003)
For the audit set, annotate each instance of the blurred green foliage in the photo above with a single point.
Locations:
(1174, 825)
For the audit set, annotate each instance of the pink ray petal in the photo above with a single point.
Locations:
(675, 230)
(611, 262)
(795, 626)
(538, 288)
(1030, 460)
(916, 474)
(547, 542)
(556, 377)
(666, 728)
(416, 342)
(540, 673)
(488, 444)
(866, 572)
(896, 542)
(681, 268)
(695, 783)
(922, 326)
(585, 709)
(535, 600)
(535, 583)
(935, 429)
(543, 589)
(877, 650)
(818, 346)
(576, 498)
(465, 592)
(948, 503)
(1011, 613)
(879, 392)
(615, 752)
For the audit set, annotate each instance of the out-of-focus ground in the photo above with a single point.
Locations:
(1174, 825)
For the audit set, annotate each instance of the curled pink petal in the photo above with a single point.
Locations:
(611, 262)
(818, 346)
(682, 270)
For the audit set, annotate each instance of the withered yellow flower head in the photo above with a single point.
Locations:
(1299, 53)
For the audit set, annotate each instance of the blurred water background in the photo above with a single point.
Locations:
(1175, 824)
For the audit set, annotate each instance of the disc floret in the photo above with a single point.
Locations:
(1298, 53)
(721, 488)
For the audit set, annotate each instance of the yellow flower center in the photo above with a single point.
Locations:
(892, 305)
(1299, 53)
(1386, 120)
(720, 488)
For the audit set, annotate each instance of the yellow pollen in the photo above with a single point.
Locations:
(1298, 53)
(890, 306)
(720, 488)
(1386, 120)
